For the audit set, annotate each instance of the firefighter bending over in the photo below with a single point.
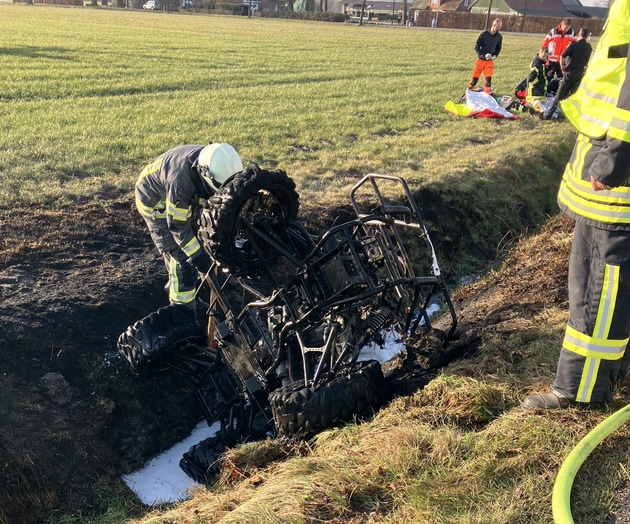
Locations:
(169, 191)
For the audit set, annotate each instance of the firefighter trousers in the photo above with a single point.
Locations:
(568, 85)
(182, 275)
(593, 357)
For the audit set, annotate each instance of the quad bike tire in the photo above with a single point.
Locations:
(145, 341)
(267, 199)
(203, 461)
(303, 410)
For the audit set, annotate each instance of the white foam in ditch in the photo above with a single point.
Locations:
(161, 479)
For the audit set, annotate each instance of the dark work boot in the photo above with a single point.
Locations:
(551, 400)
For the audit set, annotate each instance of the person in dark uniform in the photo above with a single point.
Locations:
(534, 85)
(574, 60)
(487, 47)
(168, 192)
(537, 77)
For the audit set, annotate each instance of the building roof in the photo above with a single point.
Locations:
(539, 7)
(420, 4)
(453, 5)
(446, 5)
(584, 11)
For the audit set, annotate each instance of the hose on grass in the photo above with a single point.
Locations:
(561, 498)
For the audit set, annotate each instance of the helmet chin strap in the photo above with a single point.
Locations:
(204, 172)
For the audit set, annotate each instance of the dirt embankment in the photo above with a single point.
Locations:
(72, 418)
(71, 280)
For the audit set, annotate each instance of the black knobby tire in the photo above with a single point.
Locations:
(254, 195)
(203, 461)
(300, 410)
(146, 340)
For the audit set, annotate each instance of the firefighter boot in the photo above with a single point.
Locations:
(550, 400)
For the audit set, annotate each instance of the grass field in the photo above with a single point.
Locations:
(89, 96)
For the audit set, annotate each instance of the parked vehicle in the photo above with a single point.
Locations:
(288, 311)
(152, 5)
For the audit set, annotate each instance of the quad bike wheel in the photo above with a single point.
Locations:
(245, 423)
(145, 341)
(304, 410)
(265, 199)
(203, 461)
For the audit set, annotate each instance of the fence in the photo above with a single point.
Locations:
(511, 23)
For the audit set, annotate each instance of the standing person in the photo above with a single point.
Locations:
(573, 60)
(487, 47)
(595, 192)
(557, 40)
(168, 193)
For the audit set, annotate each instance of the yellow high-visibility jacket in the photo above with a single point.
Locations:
(600, 111)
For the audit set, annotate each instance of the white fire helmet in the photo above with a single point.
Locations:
(217, 163)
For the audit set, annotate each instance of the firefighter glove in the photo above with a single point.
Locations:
(201, 261)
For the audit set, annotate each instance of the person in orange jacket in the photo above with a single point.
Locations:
(487, 47)
(557, 40)
(575, 58)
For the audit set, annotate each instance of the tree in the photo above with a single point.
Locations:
(488, 15)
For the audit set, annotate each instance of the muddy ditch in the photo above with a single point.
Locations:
(73, 419)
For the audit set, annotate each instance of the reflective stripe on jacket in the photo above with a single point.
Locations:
(609, 209)
(537, 79)
(593, 109)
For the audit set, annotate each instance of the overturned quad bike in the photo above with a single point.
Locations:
(287, 313)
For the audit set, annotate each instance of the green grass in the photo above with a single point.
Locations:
(89, 96)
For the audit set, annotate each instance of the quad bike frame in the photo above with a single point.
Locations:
(289, 312)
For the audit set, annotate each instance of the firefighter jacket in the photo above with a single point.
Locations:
(488, 43)
(537, 78)
(557, 41)
(169, 187)
(600, 111)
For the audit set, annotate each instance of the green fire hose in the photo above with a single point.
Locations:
(561, 498)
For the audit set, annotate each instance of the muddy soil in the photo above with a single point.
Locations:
(72, 418)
